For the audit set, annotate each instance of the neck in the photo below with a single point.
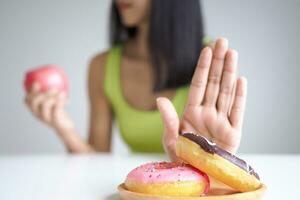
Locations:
(140, 47)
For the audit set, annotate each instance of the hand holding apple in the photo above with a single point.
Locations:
(47, 88)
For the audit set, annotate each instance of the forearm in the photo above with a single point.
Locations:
(73, 142)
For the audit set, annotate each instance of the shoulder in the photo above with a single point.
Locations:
(96, 72)
(97, 62)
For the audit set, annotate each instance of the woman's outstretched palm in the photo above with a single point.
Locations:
(216, 102)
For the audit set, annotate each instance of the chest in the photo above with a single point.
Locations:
(137, 81)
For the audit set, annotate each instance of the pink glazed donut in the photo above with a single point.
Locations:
(167, 179)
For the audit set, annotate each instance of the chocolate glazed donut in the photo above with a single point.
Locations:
(212, 148)
(216, 162)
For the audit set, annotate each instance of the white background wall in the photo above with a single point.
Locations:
(69, 32)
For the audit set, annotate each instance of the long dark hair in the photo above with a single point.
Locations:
(175, 39)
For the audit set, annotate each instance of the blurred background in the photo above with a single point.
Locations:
(68, 33)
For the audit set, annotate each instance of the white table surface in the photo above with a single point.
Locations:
(96, 177)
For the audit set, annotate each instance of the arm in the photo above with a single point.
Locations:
(100, 114)
(49, 108)
(100, 108)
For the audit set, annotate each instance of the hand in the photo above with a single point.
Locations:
(49, 107)
(215, 105)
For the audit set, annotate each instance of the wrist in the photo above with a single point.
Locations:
(64, 128)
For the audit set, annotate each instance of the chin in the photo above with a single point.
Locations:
(130, 20)
(130, 23)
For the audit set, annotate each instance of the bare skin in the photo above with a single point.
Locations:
(216, 102)
(207, 111)
(137, 90)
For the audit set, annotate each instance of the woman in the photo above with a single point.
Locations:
(155, 48)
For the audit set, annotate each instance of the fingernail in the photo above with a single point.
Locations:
(158, 99)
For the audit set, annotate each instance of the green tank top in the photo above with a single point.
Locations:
(141, 130)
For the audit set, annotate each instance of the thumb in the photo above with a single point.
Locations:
(171, 125)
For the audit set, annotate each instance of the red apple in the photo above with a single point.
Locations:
(48, 77)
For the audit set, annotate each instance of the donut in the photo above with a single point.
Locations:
(216, 162)
(167, 179)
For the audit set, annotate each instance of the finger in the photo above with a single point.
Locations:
(46, 109)
(227, 82)
(36, 102)
(33, 91)
(232, 96)
(171, 125)
(238, 106)
(199, 80)
(58, 107)
(215, 73)
(34, 88)
(169, 117)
